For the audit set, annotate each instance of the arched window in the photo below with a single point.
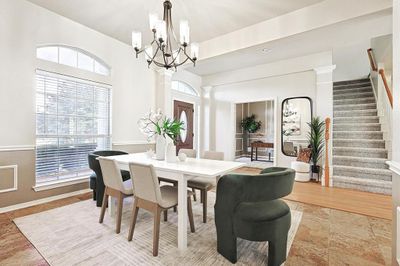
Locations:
(183, 87)
(73, 57)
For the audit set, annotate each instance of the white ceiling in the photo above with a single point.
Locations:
(324, 39)
(207, 18)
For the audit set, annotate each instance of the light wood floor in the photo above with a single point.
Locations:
(370, 204)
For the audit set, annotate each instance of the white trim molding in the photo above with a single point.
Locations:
(41, 201)
(60, 183)
(394, 167)
(15, 178)
(135, 142)
(17, 148)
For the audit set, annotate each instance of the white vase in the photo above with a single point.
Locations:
(160, 147)
(170, 154)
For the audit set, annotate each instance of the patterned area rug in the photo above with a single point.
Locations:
(71, 235)
(254, 164)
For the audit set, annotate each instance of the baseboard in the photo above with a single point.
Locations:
(41, 201)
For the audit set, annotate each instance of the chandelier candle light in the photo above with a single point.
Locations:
(165, 50)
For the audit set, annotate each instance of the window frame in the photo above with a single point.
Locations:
(178, 82)
(58, 181)
(78, 51)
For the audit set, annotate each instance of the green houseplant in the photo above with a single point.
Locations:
(249, 125)
(172, 128)
(316, 142)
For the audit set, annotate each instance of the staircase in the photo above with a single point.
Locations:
(359, 153)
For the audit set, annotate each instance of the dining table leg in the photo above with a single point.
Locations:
(182, 212)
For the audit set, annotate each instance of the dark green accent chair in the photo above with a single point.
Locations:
(98, 185)
(249, 207)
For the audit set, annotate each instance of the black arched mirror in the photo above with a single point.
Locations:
(296, 113)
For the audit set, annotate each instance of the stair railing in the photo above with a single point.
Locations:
(372, 60)
(386, 85)
(327, 136)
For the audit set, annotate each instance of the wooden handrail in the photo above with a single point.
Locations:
(385, 83)
(371, 60)
(327, 135)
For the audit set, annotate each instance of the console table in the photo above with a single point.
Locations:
(260, 144)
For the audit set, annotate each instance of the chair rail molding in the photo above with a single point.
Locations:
(17, 148)
(15, 178)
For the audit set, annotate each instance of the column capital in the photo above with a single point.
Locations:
(324, 69)
(165, 72)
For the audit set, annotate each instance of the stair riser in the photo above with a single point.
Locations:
(357, 135)
(351, 86)
(386, 191)
(353, 101)
(351, 91)
(354, 107)
(355, 113)
(359, 144)
(356, 127)
(356, 95)
(355, 120)
(350, 173)
(364, 154)
(368, 164)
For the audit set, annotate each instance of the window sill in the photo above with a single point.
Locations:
(60, 183)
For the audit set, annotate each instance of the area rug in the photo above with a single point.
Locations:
(254, 164)
(71, 235)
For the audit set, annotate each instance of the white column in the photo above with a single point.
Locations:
(395, 164)
(324, 105)
(207, 119)
(163, 93)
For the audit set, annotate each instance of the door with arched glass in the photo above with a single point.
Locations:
(183, 112)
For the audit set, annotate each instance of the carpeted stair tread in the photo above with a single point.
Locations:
(357, 127)
(360, 152)
(360, 161)
(357, 106)
(353, 101)
(356, 119)
(366, 143)
(358, 134)
(351, 113)
(369, 185)
(362, 172)
(351, 91)
(368, 94)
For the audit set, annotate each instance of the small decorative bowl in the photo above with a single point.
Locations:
(182, 157)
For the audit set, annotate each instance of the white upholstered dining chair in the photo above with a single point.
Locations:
(114, 187)
(151, 197)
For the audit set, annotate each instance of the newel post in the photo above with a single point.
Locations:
(327, 135)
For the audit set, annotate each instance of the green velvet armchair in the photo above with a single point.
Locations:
(249, 207)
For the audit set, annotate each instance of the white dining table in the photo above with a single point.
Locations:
(181, 172)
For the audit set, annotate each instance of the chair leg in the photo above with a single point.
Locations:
(175, 208)
(226, 243)
(201, 196)
(204, 192)
(277, 251)
(156, 231)
(119, 213)
(165, 215)
(103, 206)
(194, 195)
(94, 194)
(135, 212)
(190, 214)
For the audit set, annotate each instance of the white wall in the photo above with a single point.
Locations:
(24, 26)
(351, 61)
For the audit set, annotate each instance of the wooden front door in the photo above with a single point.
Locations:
(184, 112)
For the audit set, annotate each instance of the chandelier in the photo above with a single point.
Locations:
(165, 50)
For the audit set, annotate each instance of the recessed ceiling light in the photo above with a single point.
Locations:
(266, 50)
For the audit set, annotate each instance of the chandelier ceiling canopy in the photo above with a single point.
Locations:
(165, 50)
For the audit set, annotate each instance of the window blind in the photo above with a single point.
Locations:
(73, 118)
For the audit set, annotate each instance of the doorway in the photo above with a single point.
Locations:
(184, 112)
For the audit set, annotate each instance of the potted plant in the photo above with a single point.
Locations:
(316, 142)
(249, 125)
(156, 125)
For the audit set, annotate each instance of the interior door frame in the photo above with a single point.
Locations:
(177, 96)
(276, 122)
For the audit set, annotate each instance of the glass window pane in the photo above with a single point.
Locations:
(68, 57)
(85, 62)
(49, 53)
(101, 69)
